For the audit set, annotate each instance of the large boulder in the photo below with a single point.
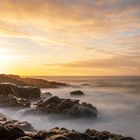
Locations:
(18, 91)
(10, 132)
(77, 92)
(64, 107)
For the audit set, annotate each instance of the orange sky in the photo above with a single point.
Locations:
(70, 37)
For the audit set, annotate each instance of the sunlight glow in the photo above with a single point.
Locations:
(5, 61)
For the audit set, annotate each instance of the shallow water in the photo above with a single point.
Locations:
(116, 98)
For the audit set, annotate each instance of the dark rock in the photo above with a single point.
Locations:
(40, 83)
(67, 108)
(24, 125)
(25, 138)
(77, 92)
(41, 135)
(104, 135)
(13, 101)
(10, 132)
(21, 92)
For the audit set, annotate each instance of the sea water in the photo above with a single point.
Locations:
(116, 98)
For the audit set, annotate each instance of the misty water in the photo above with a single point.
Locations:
(116, 98)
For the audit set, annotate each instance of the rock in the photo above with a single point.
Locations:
(59, 137)
(104, 135)
(10, 132)
(25, 138)
(46, 95)
(40, 83)
(21, 92)
(67, 108)
(76, 93)
(41, 135)
(24, 125)
(13, 101)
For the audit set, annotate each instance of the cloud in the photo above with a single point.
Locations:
(115, 62)
(92, 34)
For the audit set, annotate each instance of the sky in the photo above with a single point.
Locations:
(70, 37)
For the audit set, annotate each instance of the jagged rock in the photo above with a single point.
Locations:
(67, 108)
(106, 135)
(64, 134)
(21, 92)
(10, 132)
(77, 92)
(13, 101)
(40, 83)
(24, 125)
(25, 138)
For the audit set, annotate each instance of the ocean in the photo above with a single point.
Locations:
(116, 98)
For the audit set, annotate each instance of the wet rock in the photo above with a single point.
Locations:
(41, 135)
(25, 138)
(20, 92)
(24, 125)
(77, 93)
(15, 133)
(67, 108)
(13, 101)
(10, 132)
(104, 135)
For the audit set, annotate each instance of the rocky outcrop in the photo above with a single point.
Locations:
(40, 83)
(67, 108)
(16, 130)
(10, 132)
(24, 125)
(14, 133)
(18, 91)
(77, 93)
(105, 135)
(13, 101)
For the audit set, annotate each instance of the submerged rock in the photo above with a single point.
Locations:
(67, 108)
(77, 92)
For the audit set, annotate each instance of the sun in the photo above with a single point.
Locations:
(6, 60)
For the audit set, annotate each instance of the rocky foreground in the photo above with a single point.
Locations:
(40, 83)
(16, 130)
